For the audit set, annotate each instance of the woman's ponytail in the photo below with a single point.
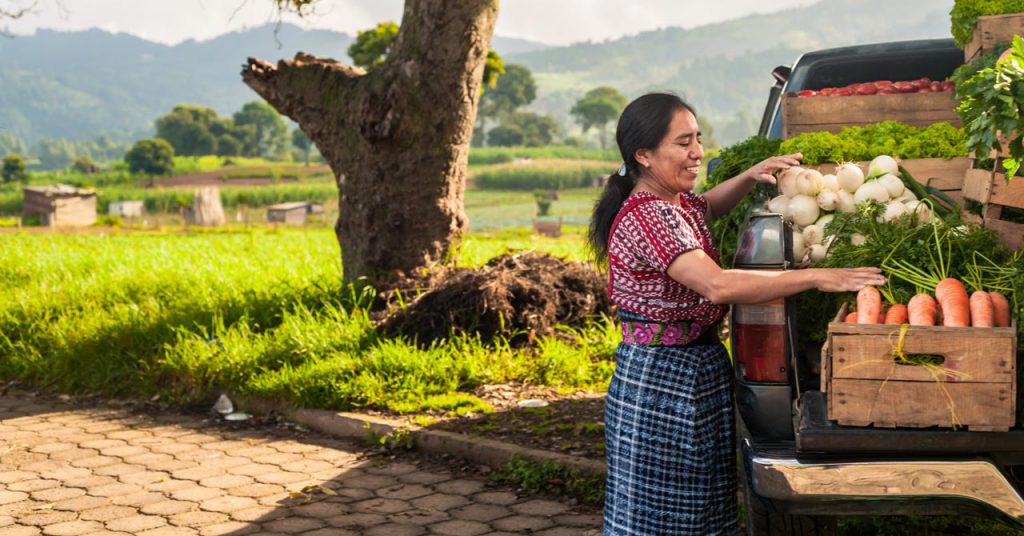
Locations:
(616, 190)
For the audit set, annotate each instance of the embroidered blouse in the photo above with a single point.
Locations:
(648, 234)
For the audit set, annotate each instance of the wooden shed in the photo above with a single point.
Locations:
(126, 209)
(60, 205)
(293, 213)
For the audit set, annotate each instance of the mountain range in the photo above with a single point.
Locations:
(77, 85)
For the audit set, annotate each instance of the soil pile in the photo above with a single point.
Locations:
(518, 296)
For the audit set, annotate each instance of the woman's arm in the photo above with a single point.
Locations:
(697, 271)
(724, 197)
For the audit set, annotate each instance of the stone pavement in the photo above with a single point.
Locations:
(67, 470)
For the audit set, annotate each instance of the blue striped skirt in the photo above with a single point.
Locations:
(670, 442)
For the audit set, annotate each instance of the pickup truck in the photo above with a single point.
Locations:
(802, 470)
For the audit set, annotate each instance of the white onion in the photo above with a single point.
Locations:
(799, 250)
(871, 191)
(830, 182)
(787, 181)
(827, 200)
(813, 234)
(882, 164)
(921, 210)
(907, 196)
(857, 239)
(893, 185)
(845, 202)
(818, 252)
(778, 204)
(810, 182)
(893, 211)
(803, 210)
(850, 177)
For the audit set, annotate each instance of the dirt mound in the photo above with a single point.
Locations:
(516, 295)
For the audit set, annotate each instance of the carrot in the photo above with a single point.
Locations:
(897, 314)
(881, 315)
(982, 312)
(851, 318)
(921, 310)
(952, 298)
(869, 305)
(1001, 309)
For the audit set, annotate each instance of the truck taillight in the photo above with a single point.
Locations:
(759, 341)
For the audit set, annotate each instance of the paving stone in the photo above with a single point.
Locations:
(124, 451)
(423, 477)
(119, 469)
(484, 513)
(227, 504)
(137, 523)
(226, 481)
(459, 527)
(6, 521)
(90, 481)
(440, 501)
(559, 531)
(81, 504)
(331, 532)
(462, 486)
(33, 485)
(101, 444)
(322, 509)
(308, 466)
(167, 508)
(108, 513)
(46, 517)
(355, 520)
(49, 448)
(170, 486)
(50, 495)
(139, 499)
(71, 455)
(221, 462)
(418, 516)
(540, 507)
(9, 477)
(281, 477)
(503, 498)
(278, 458)
(293, 525)
(381, 506)
(579, 520)
(395, 529)
(404, 491)
(116, 489)
(255, 490)
(197, 518)
(371, 482)
(392, 469)
(259, 513)
(522, 523)
(67, 528)
(170, 531)
(143, 477)
(253, 469)
(234, 528)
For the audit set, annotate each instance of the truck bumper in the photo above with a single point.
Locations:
(794, 481)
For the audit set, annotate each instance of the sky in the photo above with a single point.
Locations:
(555, 22)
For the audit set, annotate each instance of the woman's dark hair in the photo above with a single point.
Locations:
(642, 125)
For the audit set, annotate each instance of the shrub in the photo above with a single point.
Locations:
(541, 175)
(153, 156)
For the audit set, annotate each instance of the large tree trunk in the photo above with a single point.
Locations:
(397, 138)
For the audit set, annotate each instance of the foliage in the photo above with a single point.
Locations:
(55, 154)
(85, 165)
(735, 160)
(302, 142)
(188, 129)
(266, 316)
(990, 107)
(965, 13)
(60, 153)
(940, 140)
(494, 66)
(506, 136)
(551, 477)
(372, 46)
(10, 144)
(269, 137)
(13, 169)
(541, 175)
(597, 108)
(543, 202)
(153, 156)
(499, 155)
(514, 89)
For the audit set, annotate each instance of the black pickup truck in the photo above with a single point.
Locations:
(801, 470)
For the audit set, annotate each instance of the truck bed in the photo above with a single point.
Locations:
(816, 434)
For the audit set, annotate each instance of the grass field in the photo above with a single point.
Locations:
(261, 314)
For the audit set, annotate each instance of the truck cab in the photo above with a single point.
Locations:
(802, 470)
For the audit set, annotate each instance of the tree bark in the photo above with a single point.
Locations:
(397, 137)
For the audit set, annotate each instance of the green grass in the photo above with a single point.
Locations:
(258, 314)
(490, 209)
(544, 174)
(481, 156)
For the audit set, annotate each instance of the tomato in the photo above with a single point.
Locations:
(827, 91)
(842, 92)
(887, 90)
(936, 87)
(807, 93)
(921, 83)
(904, 87)
(948, 85)
(867, 89)
(880, 83)
(925, 90)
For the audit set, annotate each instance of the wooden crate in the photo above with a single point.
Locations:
(993, 30)
(865, 386)
(832, 114)
(991, 189)
(945, 175)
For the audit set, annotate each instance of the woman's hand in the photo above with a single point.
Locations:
(765, 170)
(848, 279)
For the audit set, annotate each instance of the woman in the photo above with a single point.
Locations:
(669, 411)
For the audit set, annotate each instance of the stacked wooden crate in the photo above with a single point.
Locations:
(832, 114)
(993, 31)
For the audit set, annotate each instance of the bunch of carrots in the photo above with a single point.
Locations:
(950, 307)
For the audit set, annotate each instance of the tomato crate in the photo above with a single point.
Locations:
(939, 173)
(832, 114)
(991, 31)
(972, 382)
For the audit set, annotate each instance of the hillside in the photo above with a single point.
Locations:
(79, 84)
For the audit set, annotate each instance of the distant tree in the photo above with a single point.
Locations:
(14, 169)
(228, 145)
(10, 144)
(371, 46)
(55, 154)
(505, 136)
(269, 136)
(188, 128)
(514, 89)
(537, 130)
(153, 156)
(85, 165)
(597, 108)
(302, 142)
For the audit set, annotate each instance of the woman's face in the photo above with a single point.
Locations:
(674, 163)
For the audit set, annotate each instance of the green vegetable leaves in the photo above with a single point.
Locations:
(893, 138)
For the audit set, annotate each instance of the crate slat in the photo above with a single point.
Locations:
(832, 114)
(991, 30)
(864, 356)
(921, 404)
